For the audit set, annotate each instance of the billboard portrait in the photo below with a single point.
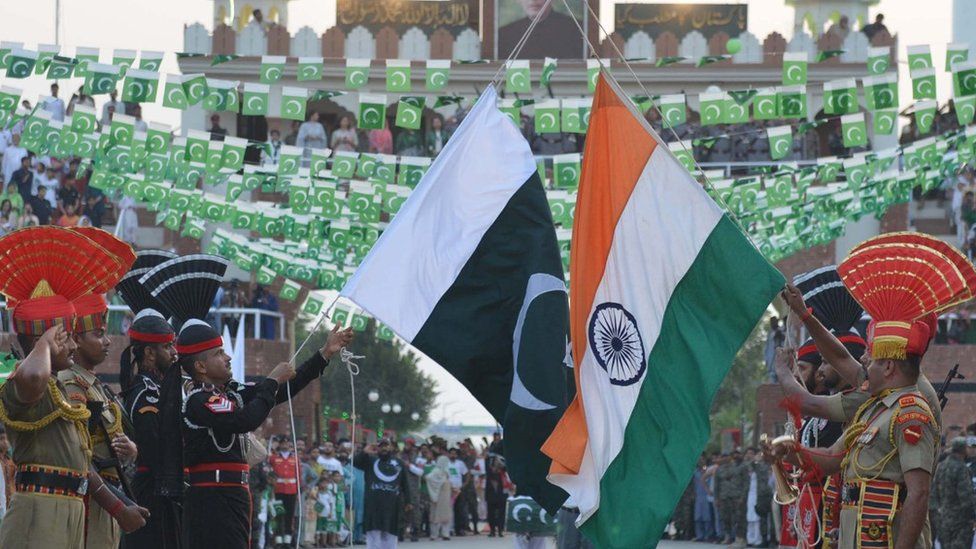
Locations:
(556, 35)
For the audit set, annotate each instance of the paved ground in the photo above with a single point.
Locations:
(484, 542)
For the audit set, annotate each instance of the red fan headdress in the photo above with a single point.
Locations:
(91, 309)
(44, 269)
(902, 280)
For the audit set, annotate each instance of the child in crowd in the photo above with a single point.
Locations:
(337, 527)
(324, 508)
(311, 517)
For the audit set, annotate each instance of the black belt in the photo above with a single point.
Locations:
(50, 482)
(218, 477)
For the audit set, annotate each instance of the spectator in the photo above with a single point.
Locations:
(13, 195)
(292, 137)
(23, 178)
(311, 134)
(325, 507)
(439, 491)
(968, 214)
(216, 130)
(68, 195)
(344, 138)
(409, 142)
(381, 141)
(127, 219)
(112, 106)
(460, 478)
(957, 196)
(327, 459)
(79, 98)
(40, 206)
(876, 27)
(140, 124)
(54, 104)
(267, 301)
(8, 217)
(386, 486)
(70, 218)
(272, 151)
(841, 28)
(284, 463)
(257, 19)
(12, 156)
(436, 137)
(497, 447)
(27, 219)
(496, 495)
(774, 338)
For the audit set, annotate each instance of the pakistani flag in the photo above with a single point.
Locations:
(412, 169)
(140, 86)
(150, 60)
(881, 92)
(195, 88)
(293, 103)
(854, 130)
(855, 172)
(548, 116)
(344, 164)
(879, 60)
(791, 101)
(673, 111)
(409, 111)
(85, 56)
(795, 68)
(124, 59)
(566, 170)
(923, 83)
(372, 111)
(712, 108)
(256, 98)
(764, 105)
(21, 63)
(593, 72)
(572, 115)
(437, 74)
(956, 53)
(884, 120)
(517, 79)
(780, 141)
(272, 67)
(964, 78)
(965, 109)
(61, 68)
(45, 53)
(174, 96)
(683, 152)
(840, 96)
(548, 69)
(919, 57)
(6, 48)
(482, 295)
(289, 290)
(9, 97)
(309, 69)
(398, 75)
(357, 73)
(925, 115)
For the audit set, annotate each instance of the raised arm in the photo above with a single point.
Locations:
(31, 377)
(809, 404)
(314, 366)
(831, 349)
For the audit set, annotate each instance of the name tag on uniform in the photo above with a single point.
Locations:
(868, 435)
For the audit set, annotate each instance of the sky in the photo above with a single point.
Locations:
(157, 25)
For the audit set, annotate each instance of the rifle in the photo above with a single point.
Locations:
(96, 407)
(953, 374)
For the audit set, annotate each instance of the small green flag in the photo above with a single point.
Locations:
(682, 150)
(795, 68)
(195, 88)
(313, 305)
(6, 48)
(854, 130)
(223, 58)
(547, 116)
(709, 59)
(712, 108)
(965, 108)
(289, 290)
(124, 59)
(956, 53)
(919, 57)
(398, 75)
(925, 115)
(840, 96)
(764, 105)
(140, 86)
(566, 170)
(517, 79)
(122, 128)
(309, 69)
(357, 73)
(964, 78)
(256, 99)
(593, 72)
(101, 79)
(10, 97)
(923, 83)
(45, 53)
(344, 164)
(61, 68)
(384, 332)
(340, 315)
(174, 96)
(265, 275)
(150, 60)
(780, 141)
(437, 74)
(85, 56)
(881, 92)
(828, 54)
(272, 67)
(233, 153)
(673, 111)
(884, 121)
(669, 60)
(289, 160)
(293, 103)
(572, 116)
(359, 322)
(409, 112)
(879, 60)
(372, 111)
(548, 69)
(792, 101)
(412, 169)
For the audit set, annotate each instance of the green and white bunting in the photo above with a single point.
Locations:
(290, 290)
(881, 92)
(60, 68)
(673, 111)
(293, 103)
(21, 63)
(854, 130)
(313, 305)
(795, 68)
(593, 72)
(965, 109)
(566, 170)
(437, 74)
(344, 164)
(682, 150)
(6, 48)
(964, 79)
(956, 53)
(925, 115)
(791, 101)
(398, 75)
(45, 53)
(923, 83)
(412, 169)
(310, 69)
(548, 69)
(517, 78)
(9, 98)
(372, 111)
(712, 108)
(919, 57)
(272, 68)
(195, 88)
(885, 121)
(840, 96)
(256, 99)
(780, 141)
(101, 79)
(174, 96)
(410, 112)
(124, 59)
(85, 56)
(221, 96)
(548, 116)
(764, 105)
(357, 73)
(140, 86)
(150, 60)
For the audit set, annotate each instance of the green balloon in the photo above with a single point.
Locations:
(733, 46)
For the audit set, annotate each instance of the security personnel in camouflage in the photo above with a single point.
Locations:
(731, 490)
(953, 499)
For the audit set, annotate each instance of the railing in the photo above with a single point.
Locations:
(217, 317)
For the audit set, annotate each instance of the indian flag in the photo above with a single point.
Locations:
(665, 289)
(469, 273)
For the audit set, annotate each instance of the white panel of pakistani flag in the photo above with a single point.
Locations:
(420, 254)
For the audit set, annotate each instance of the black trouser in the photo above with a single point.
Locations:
(217, 517)
(286, 522)
(470, 497)
(163, 528)
(496, 515)
(460, 514)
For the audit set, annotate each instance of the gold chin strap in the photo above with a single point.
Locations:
(77, 414)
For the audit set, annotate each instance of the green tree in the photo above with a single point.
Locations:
(736, 397)
(389, 367)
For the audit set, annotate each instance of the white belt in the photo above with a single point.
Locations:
(287, 481)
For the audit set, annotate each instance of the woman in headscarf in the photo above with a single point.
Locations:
(441, 506)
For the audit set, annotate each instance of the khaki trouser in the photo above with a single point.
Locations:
(103, 531)
(41, 521)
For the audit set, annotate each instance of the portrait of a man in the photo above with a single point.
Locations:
(556, 35)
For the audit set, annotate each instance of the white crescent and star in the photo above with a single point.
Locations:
(539, 284)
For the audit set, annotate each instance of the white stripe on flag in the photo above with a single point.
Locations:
(657, 238)
(421, 253)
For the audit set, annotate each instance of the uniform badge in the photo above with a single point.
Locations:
(907, 400)
(152, 399)
(868, 435)
(219, 404)
(912, 434)
(874, 532)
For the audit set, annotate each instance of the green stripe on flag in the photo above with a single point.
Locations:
(710, 314)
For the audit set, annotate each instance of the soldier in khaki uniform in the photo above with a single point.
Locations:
(84, 387)
(49, 433)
